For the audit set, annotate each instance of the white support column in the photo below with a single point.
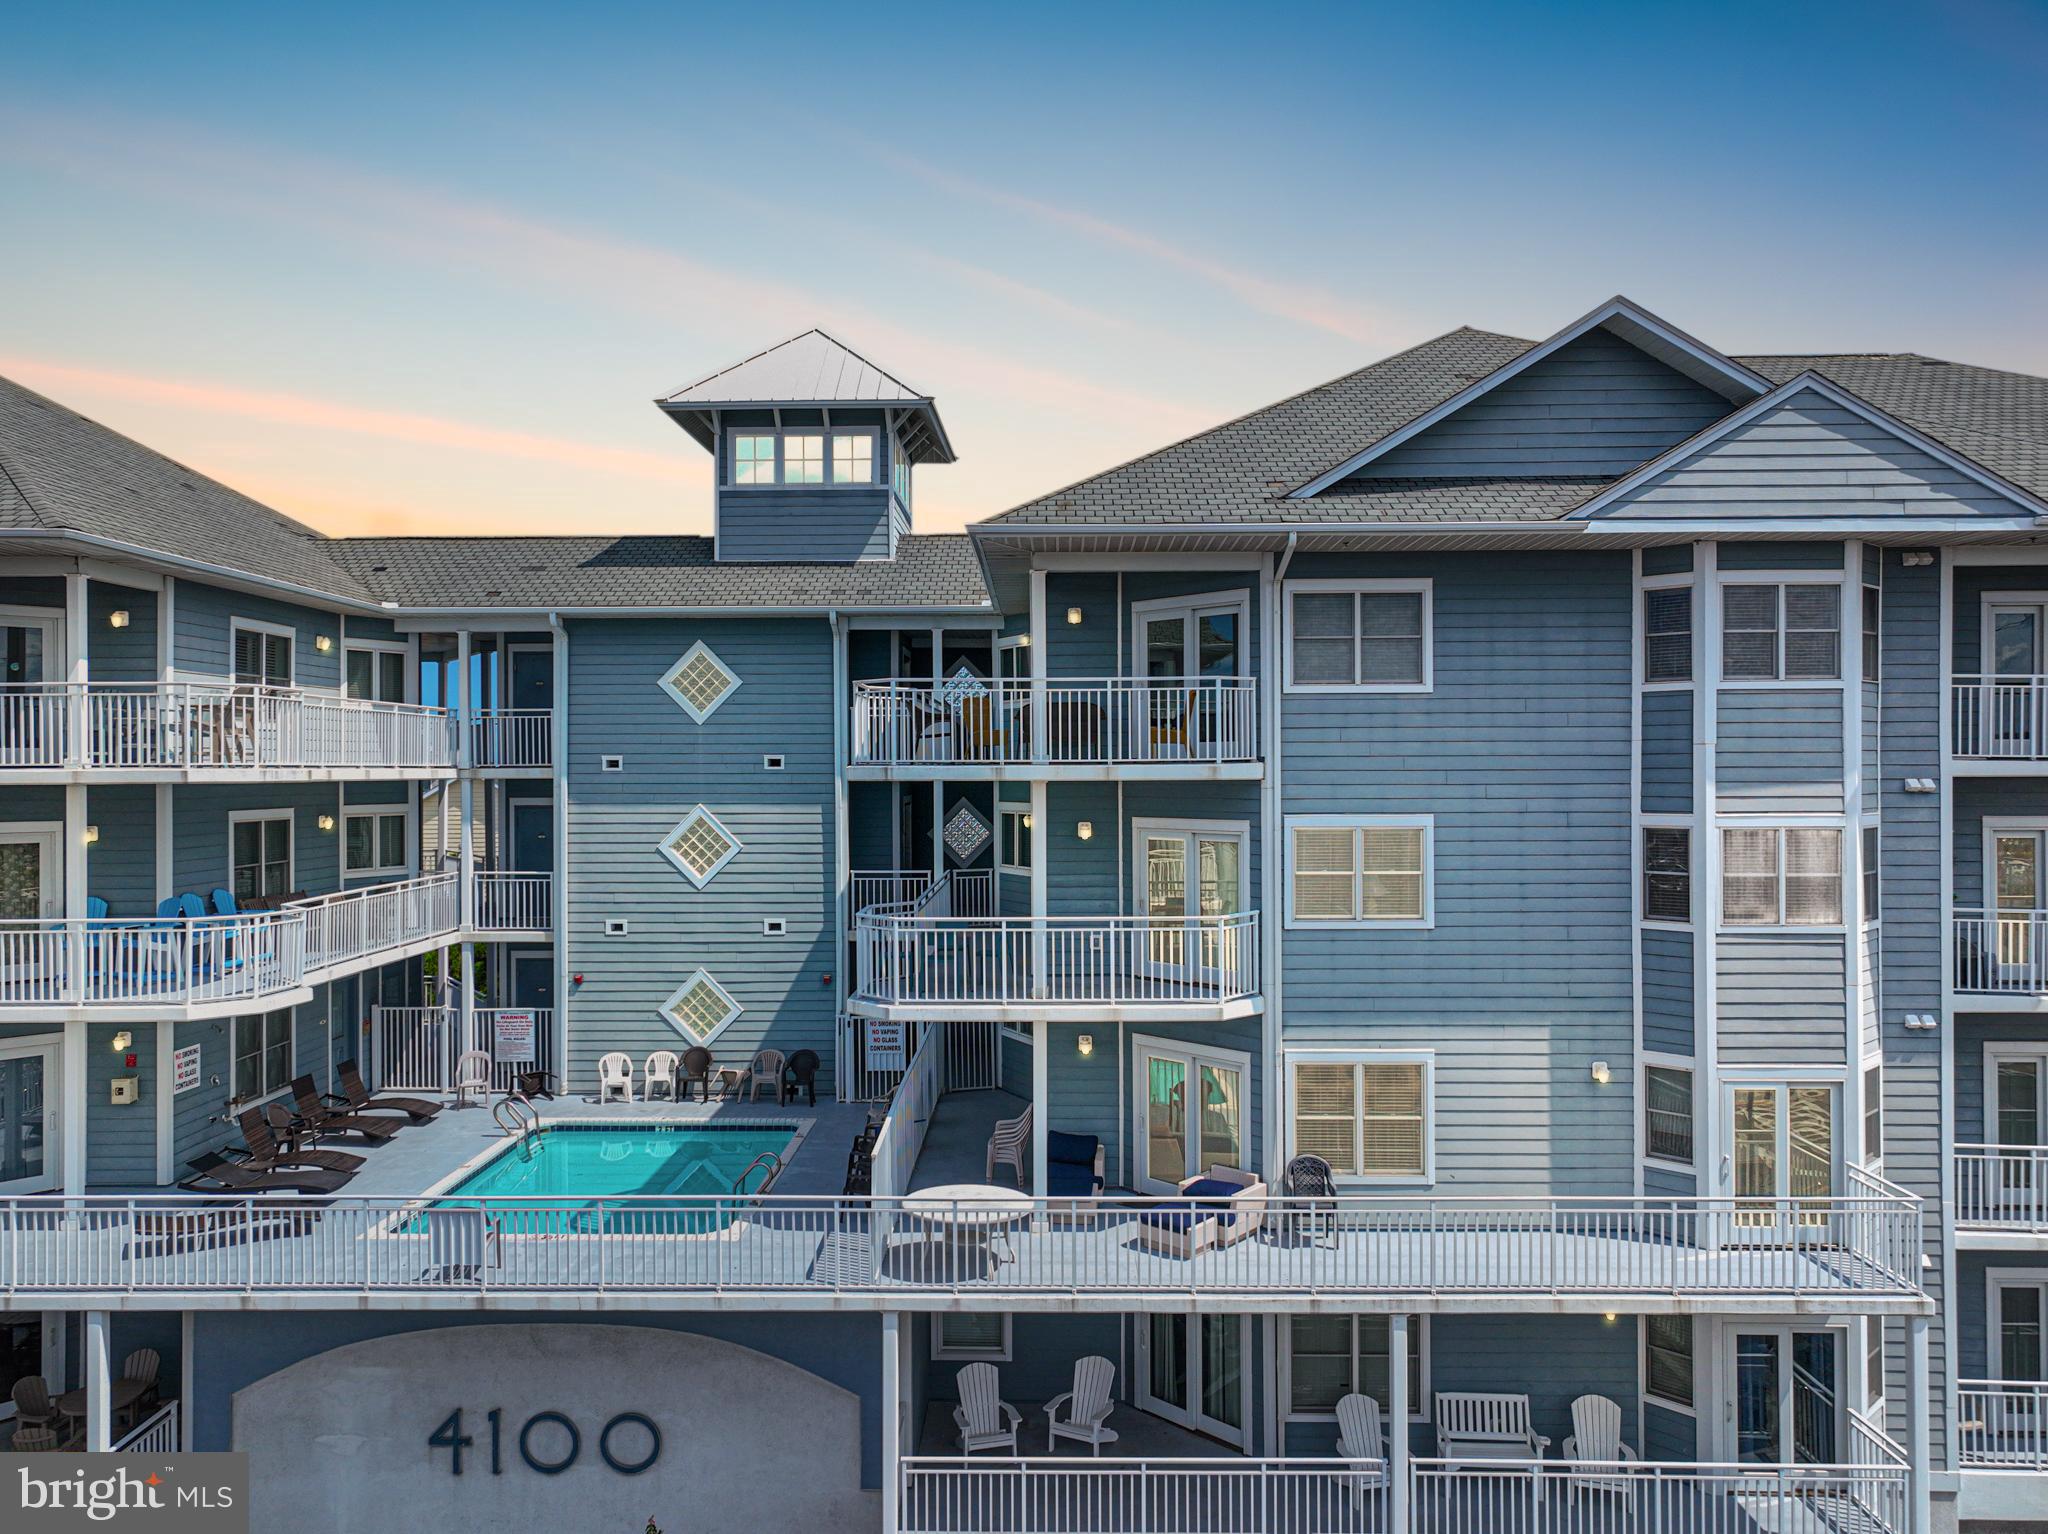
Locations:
(891, 1408)
(1398, 1342)
(1039, 723)
(77, 670)
(465, 998)
(1041, 1109)
(842, 867)
(1041, 1042)
(166, 1120)
(74, 1109)
(559, 754)
(1919, 1498)
(465, 704)
(465, 859)
(188, 1380)
(99, 1385)
(75, 1100)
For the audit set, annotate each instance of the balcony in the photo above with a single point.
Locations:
(924, 958)
(513, 902)
(213, 731)
(2001, 960)
(1998, 724)
(354, 930)
(2002, 1450)
(510, 741)
(2002, 1192)
(1122, 727)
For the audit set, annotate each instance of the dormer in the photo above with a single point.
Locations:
(814, 447)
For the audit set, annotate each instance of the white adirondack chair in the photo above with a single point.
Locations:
(615, 1077)
(1595, 1447)
(660, 1071)
(1087, 1406)
(1010, 1145)
(472, 1078)
(985, 1419)
(1362, 1442)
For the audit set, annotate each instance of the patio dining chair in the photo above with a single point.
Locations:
(985, 1419)
(1010, 1145)
(615, 1077)
(764, 1071)
(472, 1078)
(660, 1071)
(1313, 1186)
(801, 1075)
(696, 1067)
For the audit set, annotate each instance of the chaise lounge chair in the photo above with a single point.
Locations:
(230, 1176)
(260, 1138)
(323, 1120)
(357, 1095)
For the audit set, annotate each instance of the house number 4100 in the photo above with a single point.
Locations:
(449, 1436)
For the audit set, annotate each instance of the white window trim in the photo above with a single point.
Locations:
(1238, 831)
(1725, 928)
(1987, 603)
(235, 1054)
(261, 626)
(291, 847)
(832, 436)
(1992, 827)
(1843, 631)
(1660, 821)
(1425, 823)
(668, 686)
(1237, 602)
(734, 1009)
(1682, 579)
(1996, 1053)
(1660, 1060)
(1004, 813)
(1418, 1343)
(377, 812)
(1994, 1310)
(1664, 1403)
(1424, 585)
(699, 813)
(943, 1352)
(410, 673)
(1193, 1055)
(1342, 1055)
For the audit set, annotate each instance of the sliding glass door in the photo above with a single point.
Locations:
(1191, 1370)
(1174, 1143)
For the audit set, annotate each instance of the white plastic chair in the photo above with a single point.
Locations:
(985, 1419)
(1087, 1406)
(1362, 1441)
(1596, 1441)
(615, 1075)
(472, 1078)
(1010, 1145)
(660, 1072)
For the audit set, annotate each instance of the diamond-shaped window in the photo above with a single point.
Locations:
(700, 846)
(965, 682)
(966, 833)
(700, 1010)
(700, 681)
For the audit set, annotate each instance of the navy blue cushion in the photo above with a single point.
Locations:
(1063, 1179)
(1180, 1216)
(1066, 1149)
(1210, 1187)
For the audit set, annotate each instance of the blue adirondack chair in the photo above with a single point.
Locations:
(202, 966)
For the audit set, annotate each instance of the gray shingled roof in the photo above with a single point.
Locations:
(1239, 473)
(931, 570)
(60, 471)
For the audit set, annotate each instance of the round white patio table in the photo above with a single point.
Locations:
(978, 1212)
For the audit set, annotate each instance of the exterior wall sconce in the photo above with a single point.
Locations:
(326, 822)
(1085, 830)
(1023, 641)
(1922, 786)
(123, 1042)
(1916, 559)
(92, 834)
(1086, 1043)
(118, 618)
(323, 643)
(1601, 1074)
(1073, 615)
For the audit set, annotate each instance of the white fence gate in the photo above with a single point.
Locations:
(416, 1049)
(973, 1059)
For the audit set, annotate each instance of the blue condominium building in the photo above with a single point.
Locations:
(1464, 952)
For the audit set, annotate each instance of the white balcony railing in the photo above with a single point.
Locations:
(173, 961)
(141, 726)
(988, 1495)
(512, 737)
(353, 926)
(1609, 1252)
(2003, 718)
(2002, 1187)
(1063, 720)
(907, 956)
(888, 886)
(2002, 953)
(2002, 1425)
(513, 901)
(155, 1434)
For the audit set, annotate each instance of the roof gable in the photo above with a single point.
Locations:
(1809, 449)
(1513, 432)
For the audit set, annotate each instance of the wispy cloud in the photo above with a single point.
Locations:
(300, 410)
(1303, 303)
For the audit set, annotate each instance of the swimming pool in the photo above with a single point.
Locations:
(661, 1175)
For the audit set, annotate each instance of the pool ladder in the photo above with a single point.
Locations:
(514, 1114)
(774, 1171)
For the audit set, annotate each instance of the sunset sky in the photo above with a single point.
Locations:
(394, 274)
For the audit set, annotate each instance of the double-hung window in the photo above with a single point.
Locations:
(1781, 632)
(1667, 634)
(262, 1054)
(373, 842)
(1667, 1113)
(263, 656)
(1873, 648)
(1367, 1114)
(1667, 873)
(374, 675)
(1358, 635)
(1368, 871)
(1330, 1357)
(1781, 877)
(260, 854)
(1667, 1360)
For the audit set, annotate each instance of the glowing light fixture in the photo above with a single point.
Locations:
(1085, 830)
(118, 618)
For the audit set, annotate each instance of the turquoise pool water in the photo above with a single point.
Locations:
(662, 1175)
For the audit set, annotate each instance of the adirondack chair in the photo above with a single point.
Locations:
(1476, 1427)
(1595, 1448)
(138, 1380)
(32, 1405)
(985, 1419)
(1010, 1145)
(1086, 1407)
(660, 1071)
(1362, 1443)
(615, 1077)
